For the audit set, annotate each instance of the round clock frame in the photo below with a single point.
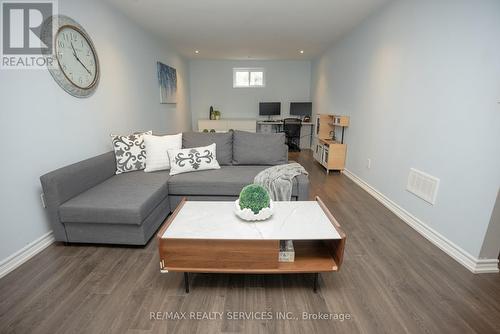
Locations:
(58, 23)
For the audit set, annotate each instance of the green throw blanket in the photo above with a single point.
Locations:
(278, 180)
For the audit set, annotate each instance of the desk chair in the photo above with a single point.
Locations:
(291, 128)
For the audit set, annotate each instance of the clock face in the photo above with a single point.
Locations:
(76, 57)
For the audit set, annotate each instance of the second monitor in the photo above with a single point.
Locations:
(300, 108)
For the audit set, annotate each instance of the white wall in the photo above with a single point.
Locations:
(44, 128)
(211, 84)
(421, 82)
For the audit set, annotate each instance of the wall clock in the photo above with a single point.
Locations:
(72, 58)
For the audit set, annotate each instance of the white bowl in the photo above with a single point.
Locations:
(248, 215)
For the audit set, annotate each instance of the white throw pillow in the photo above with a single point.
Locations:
(130, 152)
(192, 159)
(157, 150)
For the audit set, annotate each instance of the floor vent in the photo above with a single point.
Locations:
(423, 185)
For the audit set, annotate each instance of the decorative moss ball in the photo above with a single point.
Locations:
(254, 197)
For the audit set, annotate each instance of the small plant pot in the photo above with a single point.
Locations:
(249, 215)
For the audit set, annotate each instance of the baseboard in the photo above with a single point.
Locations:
(24, 254)
(470, 262)
(486, 266)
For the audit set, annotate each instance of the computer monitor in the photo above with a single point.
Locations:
(269, 108)
(301, 108)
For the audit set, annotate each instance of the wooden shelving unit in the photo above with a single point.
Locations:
(330, 153)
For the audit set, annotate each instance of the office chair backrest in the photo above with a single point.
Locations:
(291, 127)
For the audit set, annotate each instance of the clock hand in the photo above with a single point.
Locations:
(85, 67)
(74, 51)
(78, 59)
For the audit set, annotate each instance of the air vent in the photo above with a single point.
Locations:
(423, 185)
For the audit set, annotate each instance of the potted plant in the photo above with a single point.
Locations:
(217, 114)
(254, 203)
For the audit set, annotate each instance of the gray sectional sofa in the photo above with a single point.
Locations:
(88, 203)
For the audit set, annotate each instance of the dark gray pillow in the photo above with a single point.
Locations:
(223, 142)
(259, 148)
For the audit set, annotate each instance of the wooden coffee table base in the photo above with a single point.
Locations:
(248, 256)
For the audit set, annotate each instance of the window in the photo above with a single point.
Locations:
(248, 77)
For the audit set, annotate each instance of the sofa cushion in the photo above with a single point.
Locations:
(223, 141)
(227, 181)
(122, 199)
(259, 148)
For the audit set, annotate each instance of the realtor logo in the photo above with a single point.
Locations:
(22, 22)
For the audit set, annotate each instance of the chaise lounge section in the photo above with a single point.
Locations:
(88, 203)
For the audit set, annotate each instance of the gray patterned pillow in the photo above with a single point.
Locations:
(130, 152)
(192, 159)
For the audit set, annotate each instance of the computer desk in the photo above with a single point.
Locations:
(278, 124)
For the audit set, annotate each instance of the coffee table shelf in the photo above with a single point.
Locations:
(311, 256)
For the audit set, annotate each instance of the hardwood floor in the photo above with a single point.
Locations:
(392, 281)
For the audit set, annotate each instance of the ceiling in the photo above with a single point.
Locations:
(248, 29)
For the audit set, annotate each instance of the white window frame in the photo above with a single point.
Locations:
(249, 70)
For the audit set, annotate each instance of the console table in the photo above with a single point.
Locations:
(224, 125)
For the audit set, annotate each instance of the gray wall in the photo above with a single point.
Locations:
(491, 245)
(44, 128)
(421, 82)
(211, 84)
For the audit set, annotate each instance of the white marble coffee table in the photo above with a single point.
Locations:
(208, 237)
